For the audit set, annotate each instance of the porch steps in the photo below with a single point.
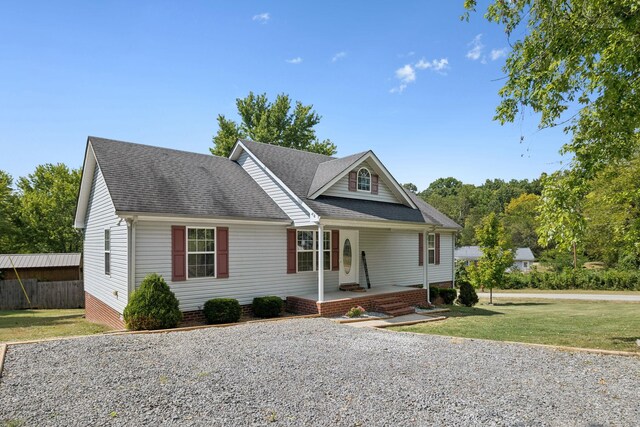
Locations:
(392, 306)
(352, 287)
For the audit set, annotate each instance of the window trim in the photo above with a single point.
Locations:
(431, 249)
(107, 251)
(187, 252)
(314, 249)
(358, 180)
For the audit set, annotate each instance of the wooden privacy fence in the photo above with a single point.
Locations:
(67, 294)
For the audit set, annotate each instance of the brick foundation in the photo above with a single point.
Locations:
(448, 284)
(98, 312)
(341, 306)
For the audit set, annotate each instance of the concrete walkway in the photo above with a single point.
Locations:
(585, 297)
(407, 319)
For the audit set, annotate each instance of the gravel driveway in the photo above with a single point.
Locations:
(312, 372)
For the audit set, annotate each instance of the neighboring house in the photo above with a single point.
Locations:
(523, 257)
(43, 267)
(267, 220)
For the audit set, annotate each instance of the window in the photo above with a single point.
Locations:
(525, 264)
(201, 252)
(364, 180)
(107, 251)
(431, 248)
(307, 249)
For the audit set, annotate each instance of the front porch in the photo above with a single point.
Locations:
(339, 302)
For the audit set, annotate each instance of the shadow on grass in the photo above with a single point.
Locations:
(472, 311)
(34, 320)
(519, 304)
(626, 340)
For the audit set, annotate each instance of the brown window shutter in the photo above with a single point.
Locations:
(437, 248)
(374, 184)
(335, 249)
(420, 248)
(353, 181)
(222, 252)
(291, 250)
(178, 253)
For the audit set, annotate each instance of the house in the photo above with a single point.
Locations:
(42, 267)
(522, 258)
(268, 220)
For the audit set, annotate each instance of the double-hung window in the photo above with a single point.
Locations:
(307, 250)
(201, 252)
(107, 251)
(431, 248)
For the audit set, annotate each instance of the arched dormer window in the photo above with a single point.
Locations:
(364, 180)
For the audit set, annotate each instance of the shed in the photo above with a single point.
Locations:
(42, 267)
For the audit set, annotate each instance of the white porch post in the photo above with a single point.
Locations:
(320, 265)
(425, 263)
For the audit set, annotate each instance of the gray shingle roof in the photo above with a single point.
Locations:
(474, 252)
(147, 179)
(330, 169)
(304, 173)
(40, 260)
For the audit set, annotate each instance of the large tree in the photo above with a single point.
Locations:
(7, 213)
(271, 123)
(577, 64)
(496, 257)
(47, 202)
(520, 221)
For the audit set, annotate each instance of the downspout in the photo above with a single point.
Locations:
(453, 260)
(131, 256)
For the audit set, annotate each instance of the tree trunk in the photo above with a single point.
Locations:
(491, 295)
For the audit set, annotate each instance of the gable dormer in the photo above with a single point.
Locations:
(359, 176)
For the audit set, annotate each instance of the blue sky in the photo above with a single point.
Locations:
(411, 82)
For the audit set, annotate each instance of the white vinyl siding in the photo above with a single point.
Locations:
(112, 288)
(257, 265)
(341, 189)
(285, 201)
(392, 258)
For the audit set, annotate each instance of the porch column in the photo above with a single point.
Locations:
(320, 265)
(425, 263)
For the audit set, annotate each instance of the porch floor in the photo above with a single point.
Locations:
(339, 302)
(342, 295)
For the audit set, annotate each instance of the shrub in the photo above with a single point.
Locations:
(448, 295)
(270, 306)
(222, 310)
(468, 296)
(355, 311)
(434, 292)
(570, 279)
(152, 306)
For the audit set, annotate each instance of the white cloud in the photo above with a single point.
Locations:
(476, 48)
(296, 60)
(498, 53)
(338, 56)
(262, 17)
(398, 89)
(438, 65)
(406, 74)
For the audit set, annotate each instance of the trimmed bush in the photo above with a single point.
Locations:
(434, 292)
(355, 312)
(448, 295)
(222, 310)
(152, 306)
(269, 306)
(468, 296)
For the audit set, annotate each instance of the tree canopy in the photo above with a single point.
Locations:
(271, 123)
(577, 64)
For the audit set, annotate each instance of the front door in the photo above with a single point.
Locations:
(349, 257)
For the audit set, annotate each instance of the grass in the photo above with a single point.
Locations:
(561, 291)
(586, 324)
(23, 325)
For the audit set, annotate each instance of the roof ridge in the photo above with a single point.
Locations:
(288, 148)
(92, 138)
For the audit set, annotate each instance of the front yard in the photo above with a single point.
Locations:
(24, 325)
(587, 324)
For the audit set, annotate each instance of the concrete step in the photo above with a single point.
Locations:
(391, 306)
(400, 311)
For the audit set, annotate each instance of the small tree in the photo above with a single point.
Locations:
(152, 306)
(496, 255)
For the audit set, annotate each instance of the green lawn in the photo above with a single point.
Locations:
(561, 291)
(587, 324)
(22, 325)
